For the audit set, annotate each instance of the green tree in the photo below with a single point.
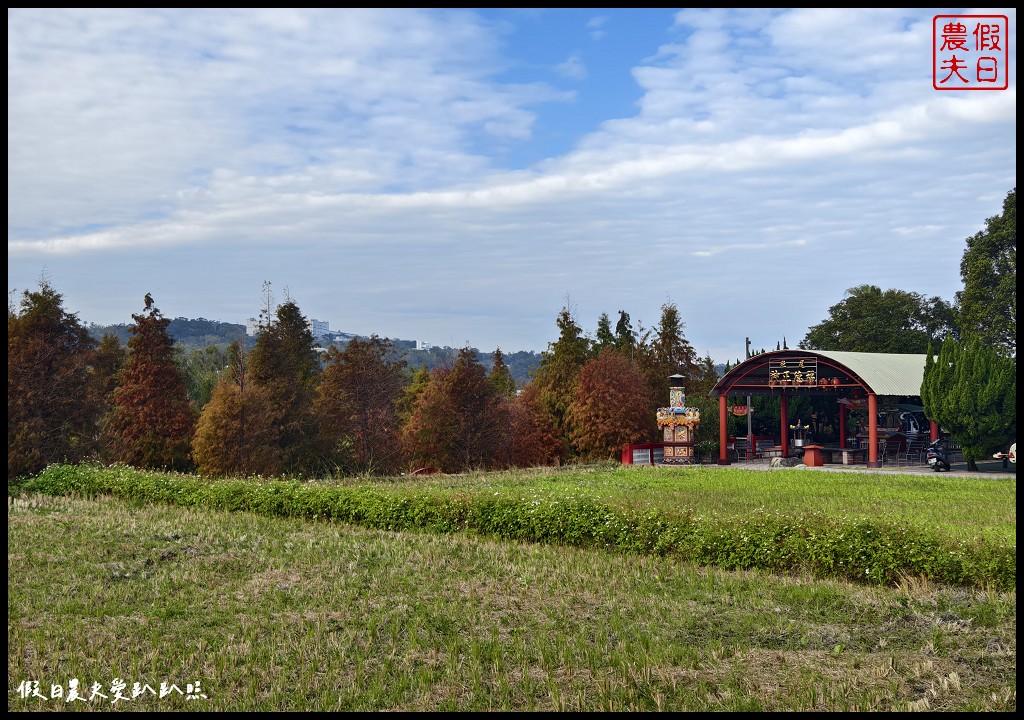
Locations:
(356, 405)
(988, 303)
(603, 337)
(415, 385)
(625, 336)
(697, 395)
(51, 408)
(891, 321)
(559, 369)
(151, 419)
(970, 390)
(286, 365)
(612, 407)
(500, 376)
(202, 369)
(664, 351)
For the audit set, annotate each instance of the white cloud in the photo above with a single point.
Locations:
(573, 68)
(359, 157)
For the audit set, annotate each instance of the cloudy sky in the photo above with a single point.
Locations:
(458, 176)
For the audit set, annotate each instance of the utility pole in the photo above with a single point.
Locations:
(750, 410)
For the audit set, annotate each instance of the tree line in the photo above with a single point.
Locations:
(280, 407)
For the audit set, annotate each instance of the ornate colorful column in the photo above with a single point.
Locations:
(678, 425)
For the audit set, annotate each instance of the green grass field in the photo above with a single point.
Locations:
(289, 613)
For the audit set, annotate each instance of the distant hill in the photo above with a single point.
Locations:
(193, 334)
(521, 364)
(201, 333)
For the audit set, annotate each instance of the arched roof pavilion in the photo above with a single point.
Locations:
(851, 375)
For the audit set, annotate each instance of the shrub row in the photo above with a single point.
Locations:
(860, 550)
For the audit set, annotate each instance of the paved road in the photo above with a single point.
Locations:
(988, 469)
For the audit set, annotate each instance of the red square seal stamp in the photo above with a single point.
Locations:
(970, 52)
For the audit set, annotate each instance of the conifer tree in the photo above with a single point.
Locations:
(533, 439)
(457, 423)
(559, 370)
(603, 336)
(285, 365)
(356, 406)
(664, 352)
(429, 434)
(970, 390)
(988, 303)
(151, 419)
(51, 413)
(500, 376)
(625, 336)
(203, 370)
(104, 370)
(612, 407)
(235, 434)
(104, 376)
(415, 386)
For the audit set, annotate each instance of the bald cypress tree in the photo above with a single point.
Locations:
(51, 413)
(457, 423)
(356, 406)
(235, 434)
(151, 419)
(285, 365)
(533, 439)
(611, 407)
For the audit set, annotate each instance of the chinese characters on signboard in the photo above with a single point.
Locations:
(970, 52)
(793, 371)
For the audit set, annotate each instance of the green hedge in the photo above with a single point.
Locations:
(860, 550)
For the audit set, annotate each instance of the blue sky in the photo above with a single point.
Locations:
(458, 176)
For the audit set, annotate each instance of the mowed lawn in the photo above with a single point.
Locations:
(269, 613)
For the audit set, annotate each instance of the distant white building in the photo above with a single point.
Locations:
(319, 328)
(423, 345)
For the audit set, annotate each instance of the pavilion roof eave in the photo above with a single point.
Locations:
(885, 374)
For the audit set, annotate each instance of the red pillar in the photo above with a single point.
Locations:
(785, 423)
(842, 425)
(933, 430)
(723, 431)
(873, 431)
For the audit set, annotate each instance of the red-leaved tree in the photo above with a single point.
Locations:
(356, 406)
(457, 422)
(612, 406)
(51, 416)
(151, 419)
(533, 437)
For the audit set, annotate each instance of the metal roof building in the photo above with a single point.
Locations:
(850, 375)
